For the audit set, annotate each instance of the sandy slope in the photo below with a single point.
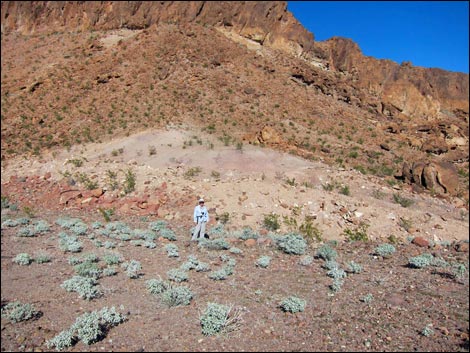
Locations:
(251, 182)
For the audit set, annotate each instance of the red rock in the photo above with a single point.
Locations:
(47, 175)
(152, 209)
(462, 247)
(69, 195)
(420, 241)
(250, 242)
(264, 241)
(97, 192)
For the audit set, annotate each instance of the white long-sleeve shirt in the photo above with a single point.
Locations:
(201, 214)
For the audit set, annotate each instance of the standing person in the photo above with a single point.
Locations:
(201, 217)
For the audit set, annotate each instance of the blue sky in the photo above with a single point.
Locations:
(427, 33)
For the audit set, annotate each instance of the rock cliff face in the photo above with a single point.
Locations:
(265, 22)
(412, 92)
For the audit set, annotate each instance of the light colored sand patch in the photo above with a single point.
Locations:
(116, 35)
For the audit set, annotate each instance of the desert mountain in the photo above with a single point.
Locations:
(337, 185)
(75, 72)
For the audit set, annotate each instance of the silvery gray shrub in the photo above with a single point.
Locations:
(23, 259)
(172, 250)
(177, 275)
(306, 260)
(263, 261)
(215, 319)
(84, 286)
(384, 250)
(17, 311)
(132, 268)
(420, 261)
(157, 286)
(354, 267)
(89, 327)
(292, 243)
(325, 252)
(176, 296)
(293, 304)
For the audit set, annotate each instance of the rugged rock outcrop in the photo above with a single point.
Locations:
(441, 177)
(265, 22)
(413, 92)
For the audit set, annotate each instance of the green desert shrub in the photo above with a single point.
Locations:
(88, 269)
(354, 267)
(336, 285)
(168, 234)
(358, 234)
(271, 222)
(336, 273)
(69, 243)
(109, 271)
(42, 258)
(157, 226)
(368, 298)
(247, 233)
(112, 259)
(190, 264)
(403, 201)
(235, 250)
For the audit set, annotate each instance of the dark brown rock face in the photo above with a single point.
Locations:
(414, 92)
(408, 91)
(266, 22)
(441, 177)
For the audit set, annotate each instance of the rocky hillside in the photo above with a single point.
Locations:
(248, 72)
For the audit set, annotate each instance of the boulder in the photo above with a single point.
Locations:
(438, 177)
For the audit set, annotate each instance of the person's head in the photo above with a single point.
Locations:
(201, 202)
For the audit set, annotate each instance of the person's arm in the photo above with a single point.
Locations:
(195, 214)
